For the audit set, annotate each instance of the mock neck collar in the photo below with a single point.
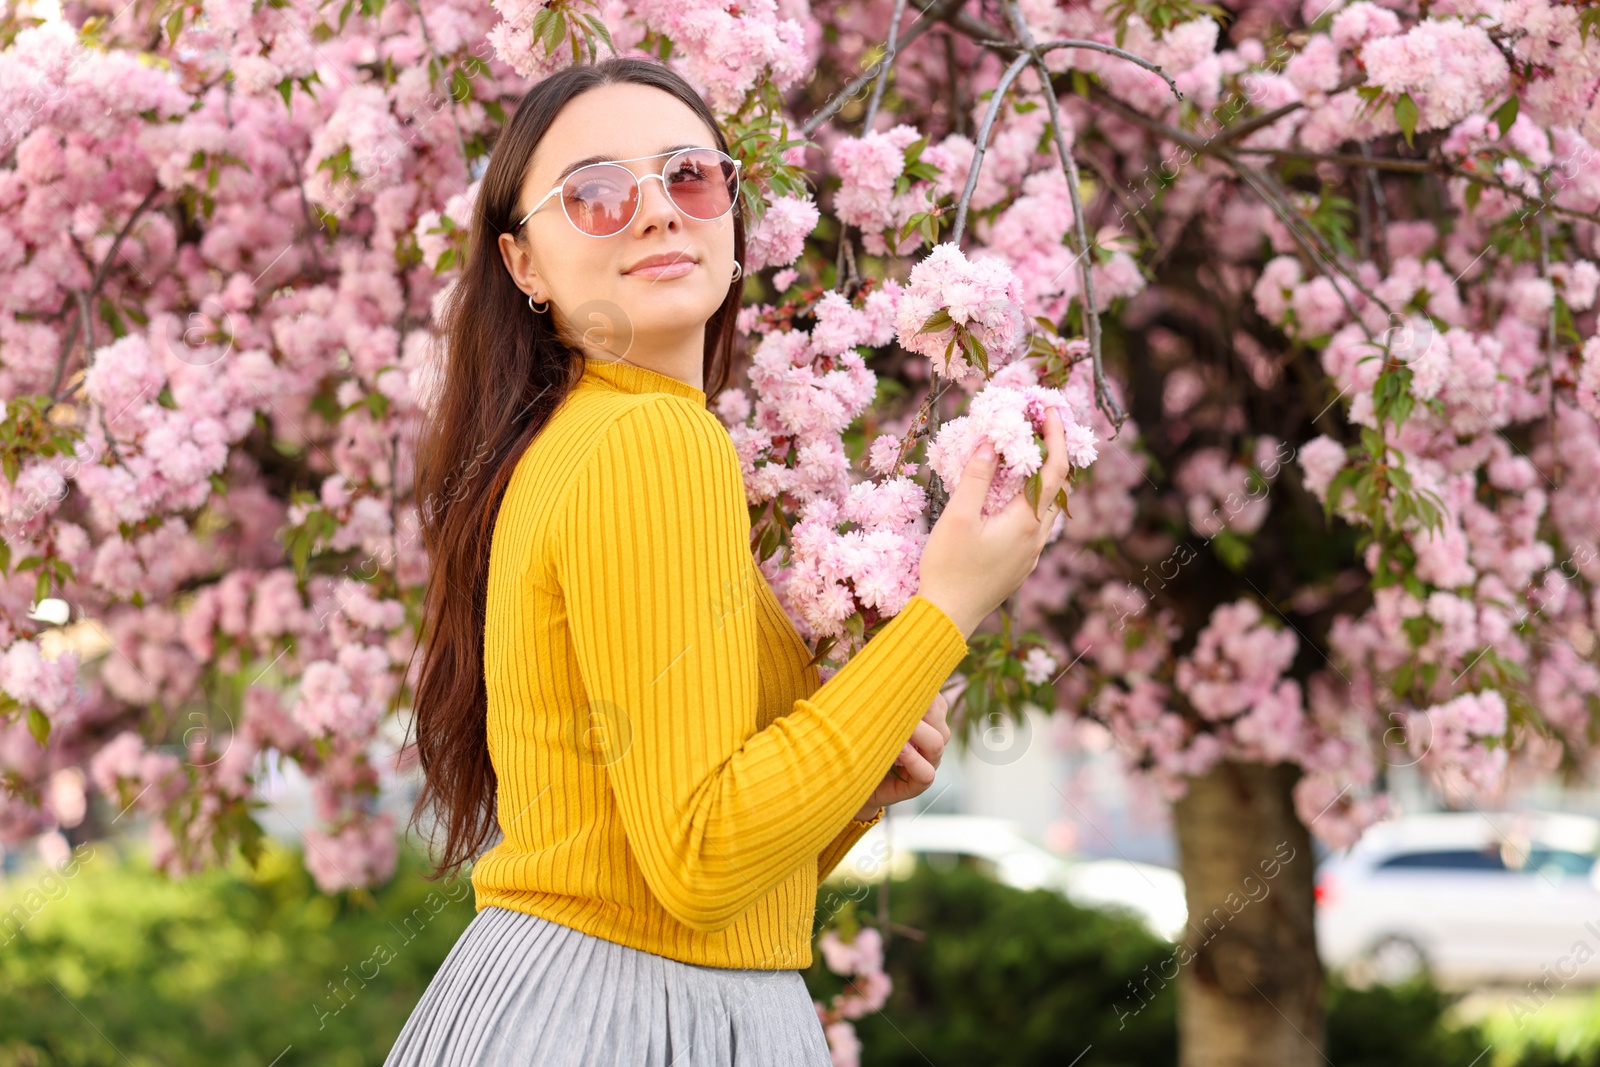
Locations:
(632, 378)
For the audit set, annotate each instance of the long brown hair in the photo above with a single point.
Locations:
(505, 373)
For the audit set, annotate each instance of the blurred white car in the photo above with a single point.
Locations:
(998, 848)
(1472, 897)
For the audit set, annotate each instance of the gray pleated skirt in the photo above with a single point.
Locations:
(519, 989)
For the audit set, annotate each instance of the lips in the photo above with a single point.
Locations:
(661, 260)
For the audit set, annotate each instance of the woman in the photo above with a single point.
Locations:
(609, 682)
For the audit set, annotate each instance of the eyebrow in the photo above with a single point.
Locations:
(570, 167)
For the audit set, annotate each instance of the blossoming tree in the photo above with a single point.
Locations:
(1312, 285)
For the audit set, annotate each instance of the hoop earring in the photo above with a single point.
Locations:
(737, 270)
(538, 310)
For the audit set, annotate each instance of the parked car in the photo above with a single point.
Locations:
(1472, 897)
(998, 848)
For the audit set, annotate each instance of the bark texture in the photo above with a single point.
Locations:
(1249, 980)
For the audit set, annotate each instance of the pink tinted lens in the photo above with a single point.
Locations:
(702, 182)
(600, 198)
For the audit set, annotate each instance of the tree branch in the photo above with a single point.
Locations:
(461, 143)
(932, 15)
(1239, 130)
(887, 63)
(1093, 46)
(1091, 312)
(94, 289)
(981, 143)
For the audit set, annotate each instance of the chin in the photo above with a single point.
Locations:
(668, 312)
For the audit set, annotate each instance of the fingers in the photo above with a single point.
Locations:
(976, 477)
(937, 715)
(917, 768)
(1056, 467)
(928, 741)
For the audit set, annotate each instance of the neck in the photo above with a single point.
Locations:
(681, 357)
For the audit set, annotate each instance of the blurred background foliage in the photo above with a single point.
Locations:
(119, 965)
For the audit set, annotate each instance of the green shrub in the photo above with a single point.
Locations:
(1010, 977)
(129, 968)
(1405, 1024)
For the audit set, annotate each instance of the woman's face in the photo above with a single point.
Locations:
(597, 297)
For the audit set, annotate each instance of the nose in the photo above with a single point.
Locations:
(656, 209)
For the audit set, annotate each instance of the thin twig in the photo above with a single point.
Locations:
(887, 63)
(1259, 181)
(932, 15)
(1404, 166)
(1094, 46)
(1380, 206)
(94, 288)
(461, 142)
(1239, 130)
(1550, 349)
(982, 142)
(1104, 398)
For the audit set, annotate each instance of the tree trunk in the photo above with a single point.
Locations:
(1249, 980)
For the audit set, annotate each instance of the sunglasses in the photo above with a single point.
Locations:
(601, 199)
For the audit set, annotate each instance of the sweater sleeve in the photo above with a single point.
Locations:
(653, 533)
(843, 842)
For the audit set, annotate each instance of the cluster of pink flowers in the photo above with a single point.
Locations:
(726, 50)
(34, 681)
(1219, 494)
(363, 852)
(781, 235)
(1450, 67)
(981, 297)
(1012, 419)
(854, 549)
(1236, 675)
(861, 960)
(1310, 309)
(854, 556)
(1449, 738)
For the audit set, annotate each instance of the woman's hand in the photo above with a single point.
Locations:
(971, 563)
(913, 770)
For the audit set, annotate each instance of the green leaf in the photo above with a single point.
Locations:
(939, 320)
(555, 30)
(1405, 113)
(821, 653)
(38, 725)
(1506, 114)
(973, 350)
(600, 31)
(769, 541)
(1032, 488)
(1231, 549)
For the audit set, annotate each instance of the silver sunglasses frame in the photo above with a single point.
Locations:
(661, 177)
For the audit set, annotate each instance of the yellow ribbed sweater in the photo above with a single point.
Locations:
(671, 774)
